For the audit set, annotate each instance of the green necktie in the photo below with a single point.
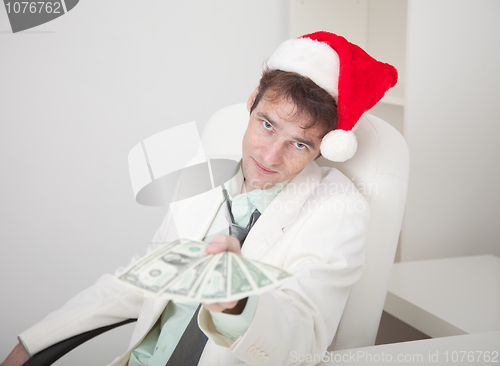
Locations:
(239, 232)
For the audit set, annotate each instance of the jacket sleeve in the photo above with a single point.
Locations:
(295, 324)
(104, 303)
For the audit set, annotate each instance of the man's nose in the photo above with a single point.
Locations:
(273, 153)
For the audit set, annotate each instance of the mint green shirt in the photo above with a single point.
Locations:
(158, 346)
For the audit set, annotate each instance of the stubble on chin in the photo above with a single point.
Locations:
(255, 180)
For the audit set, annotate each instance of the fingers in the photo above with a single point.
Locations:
(219, 307)
(221, 243)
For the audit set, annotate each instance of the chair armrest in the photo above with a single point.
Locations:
(50, 355)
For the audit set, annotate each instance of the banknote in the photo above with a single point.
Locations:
(183, 271)
(162, 268)
(215, 288)
(190, 281)
(240, 284)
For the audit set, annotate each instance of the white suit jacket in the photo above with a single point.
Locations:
(314, 228)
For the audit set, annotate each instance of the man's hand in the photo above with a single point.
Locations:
(221, 243)
(17, 357)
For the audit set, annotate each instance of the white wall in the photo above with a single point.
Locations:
(452, 128)
(75, 95)
(347, 18)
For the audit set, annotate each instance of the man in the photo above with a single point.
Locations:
(310, 223)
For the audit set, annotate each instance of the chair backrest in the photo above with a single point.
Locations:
(380, 170)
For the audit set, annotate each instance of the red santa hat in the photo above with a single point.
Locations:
(352, 77)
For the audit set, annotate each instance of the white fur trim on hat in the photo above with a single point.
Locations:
(316, 60)
(339, 145)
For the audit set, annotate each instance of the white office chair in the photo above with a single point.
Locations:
(380, 170)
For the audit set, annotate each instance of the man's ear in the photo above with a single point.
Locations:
(252, 97)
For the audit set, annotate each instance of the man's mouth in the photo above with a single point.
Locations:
(263, 169)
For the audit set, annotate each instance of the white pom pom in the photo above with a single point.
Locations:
(339, 145)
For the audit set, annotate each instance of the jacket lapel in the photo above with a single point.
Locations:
(192, 217)
(282, 211)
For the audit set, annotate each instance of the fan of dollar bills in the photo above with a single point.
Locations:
(183, 271)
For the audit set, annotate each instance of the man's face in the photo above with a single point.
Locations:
(275, 147)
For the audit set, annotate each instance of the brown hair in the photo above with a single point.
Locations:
(307, 96)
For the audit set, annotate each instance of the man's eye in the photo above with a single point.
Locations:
(299, 146)
(267, 125)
